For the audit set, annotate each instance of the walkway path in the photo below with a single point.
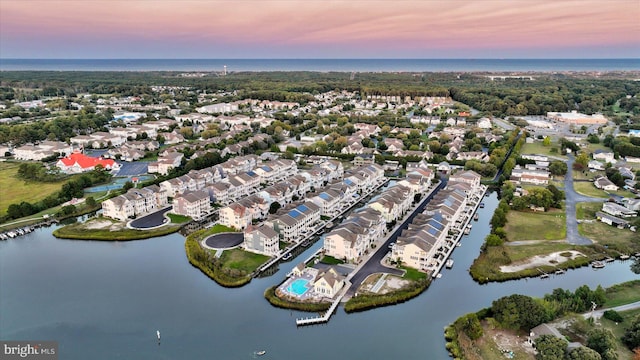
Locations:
(598, 313)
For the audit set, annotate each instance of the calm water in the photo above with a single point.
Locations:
(106, 300)
(340, 65)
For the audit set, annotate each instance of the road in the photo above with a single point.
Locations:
(373, 265)
(571, 198)
(598, 313)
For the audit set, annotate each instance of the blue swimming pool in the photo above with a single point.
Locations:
(298, 287)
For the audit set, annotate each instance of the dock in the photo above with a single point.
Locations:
(325, 317)
(451, 243)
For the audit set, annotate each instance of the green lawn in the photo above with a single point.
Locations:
(413, 274)
(242, 260)
(21, 190)
(587, 210)
(624, 293)
(550, 225)
(178, 219)
(586, 175)
(619, 329)
(537, 148)
(621, 240)
(330, 260)
(588, 189)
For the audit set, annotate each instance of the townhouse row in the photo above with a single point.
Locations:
(421, 245)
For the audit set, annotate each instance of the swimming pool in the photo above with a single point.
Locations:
(298, 287)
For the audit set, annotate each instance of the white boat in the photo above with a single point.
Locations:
(158, 334)
(544, 276)
(560, 272)
(458, 244)
(624, 257)
(438, 276)
(449, 264)
(261, 352)
(597, 264)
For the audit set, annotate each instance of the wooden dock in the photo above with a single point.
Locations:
(325, 317)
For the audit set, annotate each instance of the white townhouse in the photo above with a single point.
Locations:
(134, 203)
(292, 225)
(236, 216)
(194, 204)
(329, 202)
(262, 240)
(353, 237)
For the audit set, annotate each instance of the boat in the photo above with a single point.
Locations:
(560, 272)
(481, 205)
(609, 259)
(261, 352)
(466, 231)
(449, 264)
(158, 334)
(597, 264)
(624, 257)
(475, 217)
(438, 276)
(458, 244)
(544, 276)
(287, 256)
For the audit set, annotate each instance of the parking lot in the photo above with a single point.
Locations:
(133, 168)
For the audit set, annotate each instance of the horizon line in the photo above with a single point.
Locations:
(268, 58)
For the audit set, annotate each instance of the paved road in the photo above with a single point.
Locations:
(373, 265)
(572, 197)
(598, 313)
(152, 220)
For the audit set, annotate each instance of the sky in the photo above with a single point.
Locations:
(263, 29)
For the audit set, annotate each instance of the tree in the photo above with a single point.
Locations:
(128, 185)
(631, 337)
(601, 340)
(583, 353)
(558, 167)
(91, 202)
(518, 312)
(546, 141)
(471, 326)
(550, 347)
(275, 206)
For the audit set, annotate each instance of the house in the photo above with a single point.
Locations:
(596, 165)
(262, 239)
(236, 216)
(614, 209)
(297, 221)
(78, 162)
(604, 155)
(135, 202)
(328, 283)
(468, 176)
(351, 239)
(194, 204)
(611, 220)
(363, 159)
(605, 184)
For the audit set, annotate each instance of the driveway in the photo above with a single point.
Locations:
(572, 197)
(598, 313)
(152, 220)
(224, 240)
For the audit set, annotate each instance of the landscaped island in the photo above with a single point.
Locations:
(233, 268)
(106, 229)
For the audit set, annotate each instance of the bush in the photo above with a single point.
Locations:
(613, 316)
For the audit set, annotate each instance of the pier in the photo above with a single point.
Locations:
(325, 317)
(450, 243)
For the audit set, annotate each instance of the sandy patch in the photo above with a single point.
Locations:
(98, 224)
(390, 283)
(541, 260)
(507, 341)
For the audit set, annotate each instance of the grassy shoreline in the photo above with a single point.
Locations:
(233, 270)
(366, 302)
(270, 295)
(79, 231)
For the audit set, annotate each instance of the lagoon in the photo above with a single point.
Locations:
(103, 300)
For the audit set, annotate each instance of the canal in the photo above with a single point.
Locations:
(104, 300)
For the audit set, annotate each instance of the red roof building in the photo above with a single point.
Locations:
(78, 162)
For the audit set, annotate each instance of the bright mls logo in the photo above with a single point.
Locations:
(29, 350)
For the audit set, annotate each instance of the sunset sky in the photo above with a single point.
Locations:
(319, 29)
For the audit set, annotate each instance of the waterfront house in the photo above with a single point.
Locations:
(194, 204)
(262, 239)
(235, 215)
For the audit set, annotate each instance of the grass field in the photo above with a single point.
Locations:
(537, 148)
(624, 293)
(588, 189)
(21, 190)
(621, 240)
(619, 329)
(586, 175)
(550, 225)
(587, 211)
(242, 260)
(178, 219)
